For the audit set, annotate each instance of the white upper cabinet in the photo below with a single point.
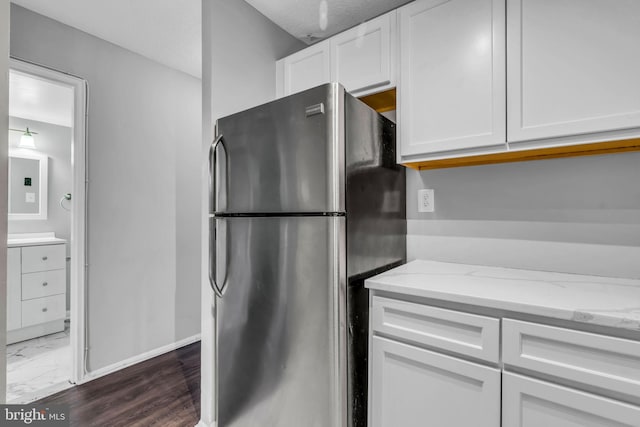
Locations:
(305, 69)
(573, 67)
(451, 89)
(362, 58)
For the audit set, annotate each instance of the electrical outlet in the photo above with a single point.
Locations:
(426, 201)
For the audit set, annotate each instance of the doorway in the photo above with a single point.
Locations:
(46, 254)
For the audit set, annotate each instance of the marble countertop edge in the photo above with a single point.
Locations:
(595, 300)
(33, 239)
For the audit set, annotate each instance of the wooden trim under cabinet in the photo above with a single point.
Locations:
(592, 149)
(381, 101)
(386, 101)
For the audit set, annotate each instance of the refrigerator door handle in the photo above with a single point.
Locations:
(212, 209)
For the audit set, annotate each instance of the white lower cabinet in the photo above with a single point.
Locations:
(14, 289)
(36, 291)
(527, 402)
(431, 366)
(411, 386)
(416, 378)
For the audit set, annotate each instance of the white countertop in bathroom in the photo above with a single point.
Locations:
(33, 239)
(595, 300)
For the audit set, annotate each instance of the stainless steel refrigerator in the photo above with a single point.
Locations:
(307, 201)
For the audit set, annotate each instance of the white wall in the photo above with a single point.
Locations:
(239, 50)
(144, 188)
(4, 124)
(576, 215)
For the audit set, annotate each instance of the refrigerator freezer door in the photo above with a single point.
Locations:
(280, 324)
(284, 156)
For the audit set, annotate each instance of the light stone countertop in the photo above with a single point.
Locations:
(603, 301)
(33, 239)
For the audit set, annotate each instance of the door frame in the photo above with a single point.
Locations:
(78, 250)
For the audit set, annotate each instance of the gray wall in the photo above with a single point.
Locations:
(240, 47)
(242, 57)
(4, 124)
(144, 188)
(579, 215)
(55, 142)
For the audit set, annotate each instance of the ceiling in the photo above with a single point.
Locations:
(33, 98)
(169, 31)
(321, 18)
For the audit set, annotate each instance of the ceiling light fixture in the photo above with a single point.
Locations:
(26, 140)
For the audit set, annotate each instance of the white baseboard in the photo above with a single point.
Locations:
(137, 359)
(204, 424)
(34, 331)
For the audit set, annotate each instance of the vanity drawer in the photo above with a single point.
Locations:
(41, 310)
(462, 333)
(43, 284)
(41, 258)
(598, 360)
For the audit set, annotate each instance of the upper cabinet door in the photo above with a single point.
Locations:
(362, 58)
(452, 75)
(307, 68)
(573, 67)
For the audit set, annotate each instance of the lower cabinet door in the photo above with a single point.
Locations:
(411, 387)
(527, 402)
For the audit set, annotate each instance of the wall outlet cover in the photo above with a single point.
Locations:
(426, 201)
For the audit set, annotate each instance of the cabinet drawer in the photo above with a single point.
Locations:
(463, 333)
(43, 284)
(592, 359)
(41, 310)
(41, 258)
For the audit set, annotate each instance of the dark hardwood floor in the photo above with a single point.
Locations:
(163, 391)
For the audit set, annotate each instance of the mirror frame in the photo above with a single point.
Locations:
(44, 184)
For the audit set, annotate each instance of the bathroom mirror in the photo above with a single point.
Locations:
(28, 172)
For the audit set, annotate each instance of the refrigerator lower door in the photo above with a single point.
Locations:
(280, 324)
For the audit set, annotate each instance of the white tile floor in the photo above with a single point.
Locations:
(38, 367)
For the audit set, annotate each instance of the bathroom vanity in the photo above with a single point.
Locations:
(36, 285)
